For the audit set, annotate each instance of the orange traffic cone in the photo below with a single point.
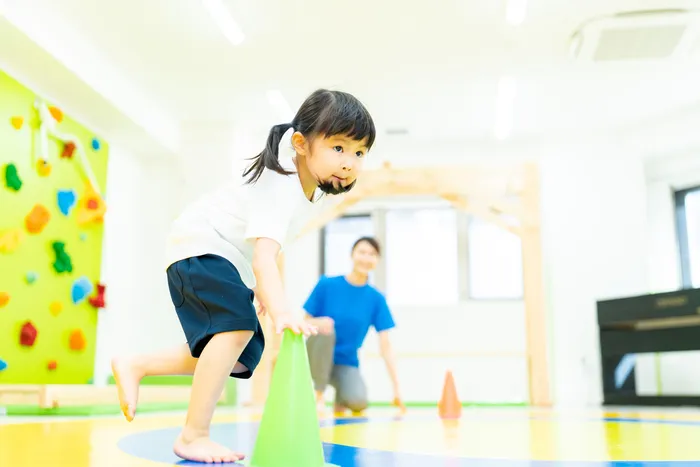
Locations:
(449, 406)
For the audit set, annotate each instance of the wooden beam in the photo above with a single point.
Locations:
(533, 283)
(461, 203)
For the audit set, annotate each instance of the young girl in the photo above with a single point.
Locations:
(224, 247)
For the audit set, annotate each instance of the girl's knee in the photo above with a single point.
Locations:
(356, 405)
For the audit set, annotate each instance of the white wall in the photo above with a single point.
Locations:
(142, 199)
(594, 226)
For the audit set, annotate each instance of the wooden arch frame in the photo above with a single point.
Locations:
(507, 197)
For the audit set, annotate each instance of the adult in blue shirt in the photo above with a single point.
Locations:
(344, 308)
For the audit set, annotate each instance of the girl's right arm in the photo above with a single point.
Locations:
(271, 291)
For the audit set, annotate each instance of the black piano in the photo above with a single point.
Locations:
(664, 322)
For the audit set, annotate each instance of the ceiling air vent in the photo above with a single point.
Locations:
(643, 35)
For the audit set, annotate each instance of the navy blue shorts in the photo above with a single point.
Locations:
(210, 298)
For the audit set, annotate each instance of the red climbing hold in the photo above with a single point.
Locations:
(98, 301)
(52, 365)
(92, 204)
(68, 150)
(27, 335)
(77, 340)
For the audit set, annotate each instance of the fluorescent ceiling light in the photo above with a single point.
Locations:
(503, 124)
(280, 104)
(516, 10)
(223, 19)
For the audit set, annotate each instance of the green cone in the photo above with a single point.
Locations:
(289, 433)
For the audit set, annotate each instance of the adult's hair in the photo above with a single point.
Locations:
(324, 113)
(371, 240)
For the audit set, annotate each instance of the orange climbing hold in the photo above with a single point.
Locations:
(77, 340)
(4, 299)
(37, 219)
(17, 122)
(56, 308)
(52, 365)
(449, 406)
(56, 113)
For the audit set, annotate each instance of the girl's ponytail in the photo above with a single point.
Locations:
(269, 157)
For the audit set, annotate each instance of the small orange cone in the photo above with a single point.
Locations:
(449, 406)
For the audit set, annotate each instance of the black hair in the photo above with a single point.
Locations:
(324, 112)
(371, 240)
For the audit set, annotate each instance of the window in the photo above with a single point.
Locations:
(421, 257)
(495, 262)
(688, 231)
(337, 239)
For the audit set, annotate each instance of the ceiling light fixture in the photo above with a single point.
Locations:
(280, 104)
(516, 10)
(223, 19)
(504, 107)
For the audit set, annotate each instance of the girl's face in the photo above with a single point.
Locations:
(335, 162)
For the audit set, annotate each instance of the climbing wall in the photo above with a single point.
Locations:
(51, 226)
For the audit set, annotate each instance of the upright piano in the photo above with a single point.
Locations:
(663, 322)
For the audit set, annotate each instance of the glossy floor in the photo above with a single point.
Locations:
(483, 437)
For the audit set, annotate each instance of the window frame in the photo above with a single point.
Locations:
(680, 213)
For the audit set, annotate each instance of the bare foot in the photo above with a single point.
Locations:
(202, 449)
(127, 378)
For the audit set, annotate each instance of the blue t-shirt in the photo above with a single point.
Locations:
(353, 308)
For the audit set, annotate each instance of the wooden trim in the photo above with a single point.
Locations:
(533, 287)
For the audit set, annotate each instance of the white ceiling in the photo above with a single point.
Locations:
(430, 67)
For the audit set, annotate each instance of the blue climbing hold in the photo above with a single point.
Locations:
(3, 364)
(81, 289)
(95, 144)
(83, 237)
(66, 201)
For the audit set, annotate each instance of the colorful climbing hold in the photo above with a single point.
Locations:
(98, 301)
(77, 340)
(81, 288)
(17, 122)
(66, 201)
(27, 335)
(95, 144)
(52, 365)
(3, 365)
(12, 180)
(43, 168)
(68, 150)
(37, 219)
(10, 240)
(4, 299)
(91, 207)
(56, 113)
(31, 277)
(62, 262)
(55, 308)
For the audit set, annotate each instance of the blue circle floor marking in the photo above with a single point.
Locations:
(156, 446)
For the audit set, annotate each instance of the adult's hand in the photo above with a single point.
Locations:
(325, 325)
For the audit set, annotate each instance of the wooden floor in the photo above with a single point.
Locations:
(482, 437)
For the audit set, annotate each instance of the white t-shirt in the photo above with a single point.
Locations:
(227, 221)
